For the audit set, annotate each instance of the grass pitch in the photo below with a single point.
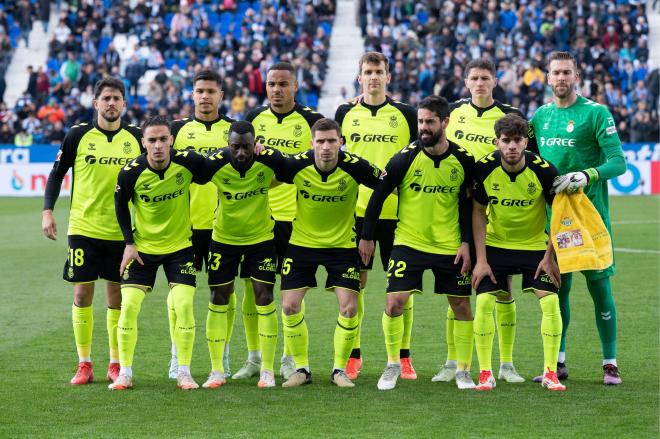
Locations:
(37, 359)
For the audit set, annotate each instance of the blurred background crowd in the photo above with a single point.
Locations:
(156, 46)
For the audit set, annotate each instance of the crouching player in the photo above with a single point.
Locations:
(512, 187)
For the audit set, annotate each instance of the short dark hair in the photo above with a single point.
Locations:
(156, 121)
(326, 124)
(436, 104)
(511, 125)
(282, 66)
(561, 56)
(481, 63)
(208, 75)
(241, 127)
(374, 58)
(109, 82)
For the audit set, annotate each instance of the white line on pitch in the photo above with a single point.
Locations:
(636, 250)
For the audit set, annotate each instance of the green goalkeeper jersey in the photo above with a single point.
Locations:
(580, 137)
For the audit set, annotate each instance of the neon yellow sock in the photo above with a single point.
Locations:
(216, 334)
(296, 338)
(267, 335)
(171, 315)
(463, 339)
(550, 330)
(285, 348)
(344, 339)
(250, 318)
(393, 330)
(111, 319)
(407, 322)
(184, 332)
(83, 328)
(451, 347)
(360, 315)
(484, 330)
(505, 313)
(127, 327)
(231, 315)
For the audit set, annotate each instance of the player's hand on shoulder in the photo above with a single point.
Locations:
(48, 224)
(479, 273)
(130, 254)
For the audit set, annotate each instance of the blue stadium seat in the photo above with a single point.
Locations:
(104, 42)
(423, 17)
(312, 100)
(327, 27)
(213, 19)
(168, 19)
(53, 64)
(169, 62)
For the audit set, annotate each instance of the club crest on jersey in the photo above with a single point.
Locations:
(418, 173)
(92, 146)
(127, 147)
(191, 135)
(146, 186)
(179, 179)
(495, 187)
(531, 188)
(297, 130)
(453, 174)
(394, 122)
(225, 180)
(356, 123)
(70, 273)
(461, 119)
(262, 127)
(260, 177)
(306, 183)
(342, 185)
(570, 127)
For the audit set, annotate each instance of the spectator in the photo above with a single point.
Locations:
(23, 138)
(56, 135)
(70, 69)
(6, 134)
(51, 112)
(24, 17)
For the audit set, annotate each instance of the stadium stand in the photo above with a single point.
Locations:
(429, 43)
(157, 46)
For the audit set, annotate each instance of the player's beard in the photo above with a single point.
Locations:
(109, 118)
(566, 91)
(514, 161)
(432, 141)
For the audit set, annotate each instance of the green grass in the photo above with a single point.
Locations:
(37, 358)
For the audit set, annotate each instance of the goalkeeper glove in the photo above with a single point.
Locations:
(573, 181)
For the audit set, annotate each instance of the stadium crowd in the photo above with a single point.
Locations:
(156, 46)
(161, 44)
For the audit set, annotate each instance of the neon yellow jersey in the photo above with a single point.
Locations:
(473, 128)
(204, 138)
(244, 216)
(516, 202)
(325, 205)
(290, 133)
(376, 133)
(161, 200)
(96, 156)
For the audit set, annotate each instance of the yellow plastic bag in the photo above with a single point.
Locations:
(579, 235)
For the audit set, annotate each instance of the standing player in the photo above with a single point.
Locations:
(579, 137)
(243, 231)
(432, 176)
(96, 152)
(204, 133)
(376, 128)
(285, 126)
(327, 181)
(514, 185)
(158, 185)
(471, 126)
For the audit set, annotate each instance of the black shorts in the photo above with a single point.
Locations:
(257, 261)
(89, 259)
(504, 262)
(405, 272)
(282, 231)
(300, 265)
(384, 237)
(179, 268)
(201, 241)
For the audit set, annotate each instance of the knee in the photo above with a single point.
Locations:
(263, 294)
(290, 307)
(348, 309)
(220, 295)
(83, 295)
(394, 306)
(462, 309)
